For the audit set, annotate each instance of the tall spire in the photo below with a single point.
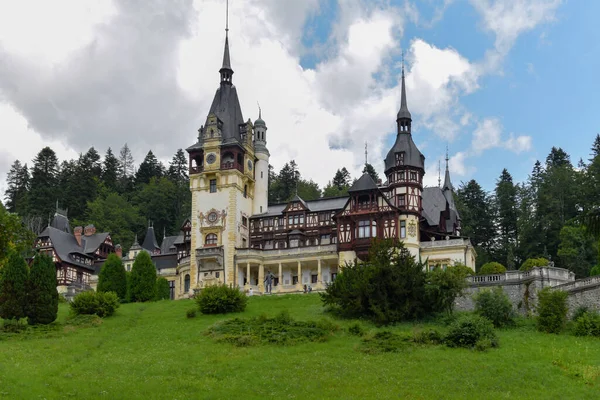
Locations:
(404, 118)
(226, 71)
(447, 182)
(366, 153)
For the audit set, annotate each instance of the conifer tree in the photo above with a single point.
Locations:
(506, 210)
(18, 185)
(163, 292)
(143, 278)
(42, 295)
(44, 189)
(112, 277)
(149, 168)
(371, 171)
(110, 171)
(13, 287)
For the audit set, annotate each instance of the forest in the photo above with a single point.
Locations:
(541, 217)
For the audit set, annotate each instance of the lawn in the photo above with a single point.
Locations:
(152, 351)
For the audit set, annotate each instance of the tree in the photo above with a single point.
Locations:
(44, 190)
(111, 171)
(143, 278)
(308, 190)
(282, 186)
(178, 169)
(42, 295)
(13, 235)
(156, 202)
(492, 268)
(18, 186)
(111, 212)
(371, 171)
(178, 174)
(341, 179)
(330, 190)
(475, 208)
(149, 168)
(444, 286)
(506, 208)
(577, 250)
(163, 292)
(112, 277)
(126, 169)
(13, 286)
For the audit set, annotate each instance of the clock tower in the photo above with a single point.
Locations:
(223, 168)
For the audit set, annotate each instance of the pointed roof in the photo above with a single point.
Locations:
(412, 155)
(226, 57)
(364, 183)
(447, 181)
(403, 113)
(259, 121)
(298, 199)
(150, 242)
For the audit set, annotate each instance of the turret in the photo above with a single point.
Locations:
(261, 170)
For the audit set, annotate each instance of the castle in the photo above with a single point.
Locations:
(236, 237)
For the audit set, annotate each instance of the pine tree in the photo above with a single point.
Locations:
(143, 278)
(371, 171)
(342, 178)
(163, 292)
(155, 202)
(506, 209)
(44, 189)
(149, 168)
(42, 296)
(111, 171)
(178, 169)
(126, 169)
(112, 277)
(18, 185)
(178, 174)
(13, 287)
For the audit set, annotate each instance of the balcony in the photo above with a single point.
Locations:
(293, 252)
(436, 244)
(196, 170)
(232, 165)
(207, 257)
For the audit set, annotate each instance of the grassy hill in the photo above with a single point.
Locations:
(152, 351)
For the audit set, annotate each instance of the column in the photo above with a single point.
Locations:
(247, 274)
(280, 285)
(299, 285)
(319, 275)
(261, 278)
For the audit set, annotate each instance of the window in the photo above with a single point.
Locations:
(403, 229)
(217, 274)
(294, 243)
(402, 175)
(313, 279)
(333, 275)
(245, 190)
(211, 239)
(413, 176)
(402, 200)
(297, 219)
(213, 186)
(186, 286)
(244, 243)
(325, 239)
(244, 221)
(261, 209)
(294, 280)
(366, 229)
(323, 217)
(261, 174)
(400, 158)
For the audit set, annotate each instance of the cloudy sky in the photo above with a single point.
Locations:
(497, 81)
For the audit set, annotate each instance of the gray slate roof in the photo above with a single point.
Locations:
(435, 201)
(167, 243)
(150, 242)
(61, 222)
(65, 244)
(403, 113)
(412, 155)
(327, 204)
(165, 261)
(365, 182)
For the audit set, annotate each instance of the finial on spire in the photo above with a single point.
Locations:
(259, 111)
(403, 63)
(226, 71)
(366, 153)
(226, 17)
(439, 173)
(403, 118)
(447, 158)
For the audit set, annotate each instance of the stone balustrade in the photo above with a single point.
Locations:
(444, 243)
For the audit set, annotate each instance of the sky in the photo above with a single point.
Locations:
(496, 82)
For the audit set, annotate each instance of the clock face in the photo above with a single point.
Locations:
(211, 158)
(212, 217)
(250, 164)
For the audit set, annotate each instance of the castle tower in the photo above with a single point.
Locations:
(261, 169)
(222, 181)
(404, 169)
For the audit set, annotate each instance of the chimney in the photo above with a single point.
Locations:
(119, 251)
(379, 182)
(89, 230)
(77, 233)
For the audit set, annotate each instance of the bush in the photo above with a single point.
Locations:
(595, 271)
(143, 278)
(461, 269)
(42, 295)
(385, 342)
(221, 299)
(102, 304)
(534, 262)
(112, 277)
(492, 268)
(13, 287)
(472, 331)
(579, 312)
(552, 310)
(163, 291)
(444, 286)
(495, 306)
(356, 329)
(191, 313)
(428, 336)
(390, 287)
(588, 324)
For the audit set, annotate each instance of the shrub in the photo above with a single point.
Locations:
(588, 324)
(143, 278)
(221, 299)
(495, 306)
(191, 313)
(163, 292)
(444, 286)
(595, 271)
(112, 277)
(579, 312)
(390, 287)
(13, 287)
(385, 342)
(461, 269)
(42, 296)
(428, 336)
(534, 262)
(552, 310)
(102, 304)
(469, 330)
(492, 268)
(356, 329)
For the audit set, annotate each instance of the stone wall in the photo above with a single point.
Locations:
(522, 288)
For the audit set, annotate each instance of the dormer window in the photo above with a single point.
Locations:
(400, 158)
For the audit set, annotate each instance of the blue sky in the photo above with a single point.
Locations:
(497, 81)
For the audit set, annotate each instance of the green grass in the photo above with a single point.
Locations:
(152, 351)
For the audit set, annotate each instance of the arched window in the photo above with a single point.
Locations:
(211, 239)
(186, 285)
(245, 191)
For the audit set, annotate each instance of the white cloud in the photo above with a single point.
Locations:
(487, 135)
(518, 144)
